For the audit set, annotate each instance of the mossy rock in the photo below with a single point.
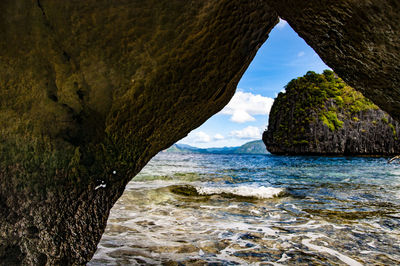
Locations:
(321, 114)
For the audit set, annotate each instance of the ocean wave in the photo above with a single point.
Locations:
(243, 191)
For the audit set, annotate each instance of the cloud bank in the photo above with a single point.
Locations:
(203, 137)
(244, 105)
(249, 132)
(218, 137)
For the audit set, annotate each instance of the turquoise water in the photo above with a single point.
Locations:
(199, 209)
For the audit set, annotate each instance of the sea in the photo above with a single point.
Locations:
(232, 209)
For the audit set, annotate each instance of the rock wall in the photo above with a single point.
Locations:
(320, 115)
(359, 40)
(91, 90)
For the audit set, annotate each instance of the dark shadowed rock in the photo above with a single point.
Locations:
(319, 114)
(360, 40)
(91, 90)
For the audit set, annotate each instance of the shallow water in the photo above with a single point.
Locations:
(256, 209)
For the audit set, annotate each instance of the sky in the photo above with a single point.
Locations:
(281, 58)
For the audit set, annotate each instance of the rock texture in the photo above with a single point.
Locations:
(320, 115)
(91, 90)
(359, 40)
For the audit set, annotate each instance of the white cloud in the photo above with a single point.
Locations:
(282, 23)
(300, 54)
(245, 104)
(218, 137)
(249, 132)
(241, 116)
(200, 137)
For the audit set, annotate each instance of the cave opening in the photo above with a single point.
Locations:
(283, 57)
(165, 198)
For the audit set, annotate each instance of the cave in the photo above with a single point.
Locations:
(92, 90)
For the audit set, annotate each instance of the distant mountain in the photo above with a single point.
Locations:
(222, 150)
(252, 147)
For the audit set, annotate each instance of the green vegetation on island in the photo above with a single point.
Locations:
(314, 90)
(321, 114)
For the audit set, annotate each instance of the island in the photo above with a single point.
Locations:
(319, 114)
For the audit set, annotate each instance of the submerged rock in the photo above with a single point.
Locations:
(319, 114)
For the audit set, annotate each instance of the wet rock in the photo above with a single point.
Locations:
(90, 91)
(187, 249)
(213, 247)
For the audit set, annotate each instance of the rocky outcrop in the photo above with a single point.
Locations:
(91, 90)
(319, 114)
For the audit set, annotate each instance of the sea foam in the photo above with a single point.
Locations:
(243, 191)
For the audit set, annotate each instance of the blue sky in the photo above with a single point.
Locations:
(282, 57)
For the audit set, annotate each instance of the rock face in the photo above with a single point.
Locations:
(359, 40)
(320, 115)
(91, 90)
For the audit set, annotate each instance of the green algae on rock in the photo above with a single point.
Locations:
(90, 91)
(321, 114)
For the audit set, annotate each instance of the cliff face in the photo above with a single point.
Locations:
(320, 114)
(91, 90)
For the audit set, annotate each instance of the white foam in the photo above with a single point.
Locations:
(284, 258)
(244, 191)
(210, 207)
(349, 261)
(367, 252)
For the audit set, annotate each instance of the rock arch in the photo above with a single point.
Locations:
(91, 90)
